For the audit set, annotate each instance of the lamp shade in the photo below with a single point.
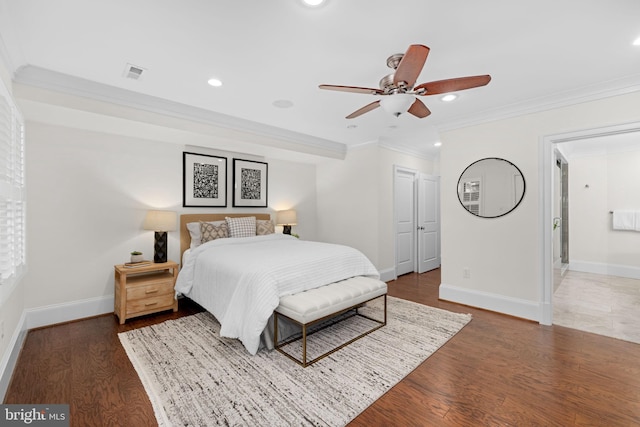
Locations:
(397, 104)
(287, 217)
(160, 221)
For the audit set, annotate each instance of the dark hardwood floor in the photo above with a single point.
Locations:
(498, 371)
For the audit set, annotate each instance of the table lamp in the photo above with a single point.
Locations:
(286, 219)
(160, 222)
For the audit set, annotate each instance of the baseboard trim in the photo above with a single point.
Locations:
(59, 313)
(10, 358)
(493, 302)
(607, 269)
(388, 274)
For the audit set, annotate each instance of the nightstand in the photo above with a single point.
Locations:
(144, 290)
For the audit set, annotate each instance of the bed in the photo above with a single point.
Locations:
(240, 280)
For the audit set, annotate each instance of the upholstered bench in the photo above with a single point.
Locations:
(317, 305)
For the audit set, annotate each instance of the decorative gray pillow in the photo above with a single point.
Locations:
(264, 227)
(194, 232)
(209, 231)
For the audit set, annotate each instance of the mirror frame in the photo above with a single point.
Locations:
(524, 187)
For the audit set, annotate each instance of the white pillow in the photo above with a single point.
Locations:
(242, 227)
(194, 232)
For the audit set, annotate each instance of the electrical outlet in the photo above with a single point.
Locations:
(466, 273)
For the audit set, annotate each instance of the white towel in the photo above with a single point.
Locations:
(626, 220)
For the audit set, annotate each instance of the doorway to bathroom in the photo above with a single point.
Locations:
(560, 218)
(596, 285)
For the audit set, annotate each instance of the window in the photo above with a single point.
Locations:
(12, 194)
(471, 195)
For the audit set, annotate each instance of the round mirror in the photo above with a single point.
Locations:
(491, 187)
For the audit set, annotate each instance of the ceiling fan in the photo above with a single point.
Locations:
(398, 87)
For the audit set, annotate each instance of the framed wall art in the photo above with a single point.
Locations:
(204, 180)
(249, 183)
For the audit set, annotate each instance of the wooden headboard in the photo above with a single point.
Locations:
(185, 238)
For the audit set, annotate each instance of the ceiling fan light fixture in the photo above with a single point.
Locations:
(313, 3)
(282, 103)
(397, 104)
(214, 82)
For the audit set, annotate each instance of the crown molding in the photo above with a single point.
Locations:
(394, 146)
(70, 85)
(584, 94)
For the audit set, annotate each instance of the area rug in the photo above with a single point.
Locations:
(196, 378)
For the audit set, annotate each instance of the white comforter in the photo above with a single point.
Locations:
(240, 280)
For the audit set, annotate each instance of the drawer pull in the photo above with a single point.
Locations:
(154, 291)
(149, 304)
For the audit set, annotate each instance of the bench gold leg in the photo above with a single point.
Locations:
(303, 362)
(304, 345)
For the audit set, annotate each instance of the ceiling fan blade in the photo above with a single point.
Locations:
(452, 85)
(364, 109)
(419, 110)
(354, 89)
(411, 65)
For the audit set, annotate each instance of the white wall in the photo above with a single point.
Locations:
(504, 254)
(88, 193)
(355, 200)
(348, 199)
(613, 182)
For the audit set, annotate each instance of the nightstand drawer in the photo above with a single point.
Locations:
(149, 291)
(152, 303)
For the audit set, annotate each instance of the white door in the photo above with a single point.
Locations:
(428, 227)
(404, 217)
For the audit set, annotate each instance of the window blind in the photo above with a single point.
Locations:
(12, 192)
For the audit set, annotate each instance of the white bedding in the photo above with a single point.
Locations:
(240, 280)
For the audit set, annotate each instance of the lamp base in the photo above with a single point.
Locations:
(286, 229)
(160, 247)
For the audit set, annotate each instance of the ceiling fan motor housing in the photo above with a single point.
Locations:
(394, 60)
(388, 86)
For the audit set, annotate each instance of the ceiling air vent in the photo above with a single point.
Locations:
(133, 72)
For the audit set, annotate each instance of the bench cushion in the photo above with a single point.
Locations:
(314, 304)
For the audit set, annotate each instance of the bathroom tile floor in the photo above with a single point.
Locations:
(604, 305)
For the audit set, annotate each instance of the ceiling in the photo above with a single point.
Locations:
(540, 54)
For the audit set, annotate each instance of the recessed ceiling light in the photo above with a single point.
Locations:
(437, 144)
(282, 103)
(449, 97)
(313, 3)
(636, 42)
(214, 82)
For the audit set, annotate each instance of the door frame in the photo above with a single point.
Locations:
(416, 252)
(545, 203)
(421, 212)
(414, 173)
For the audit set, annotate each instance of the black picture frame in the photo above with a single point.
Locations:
(204, 180)
(250, 183)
